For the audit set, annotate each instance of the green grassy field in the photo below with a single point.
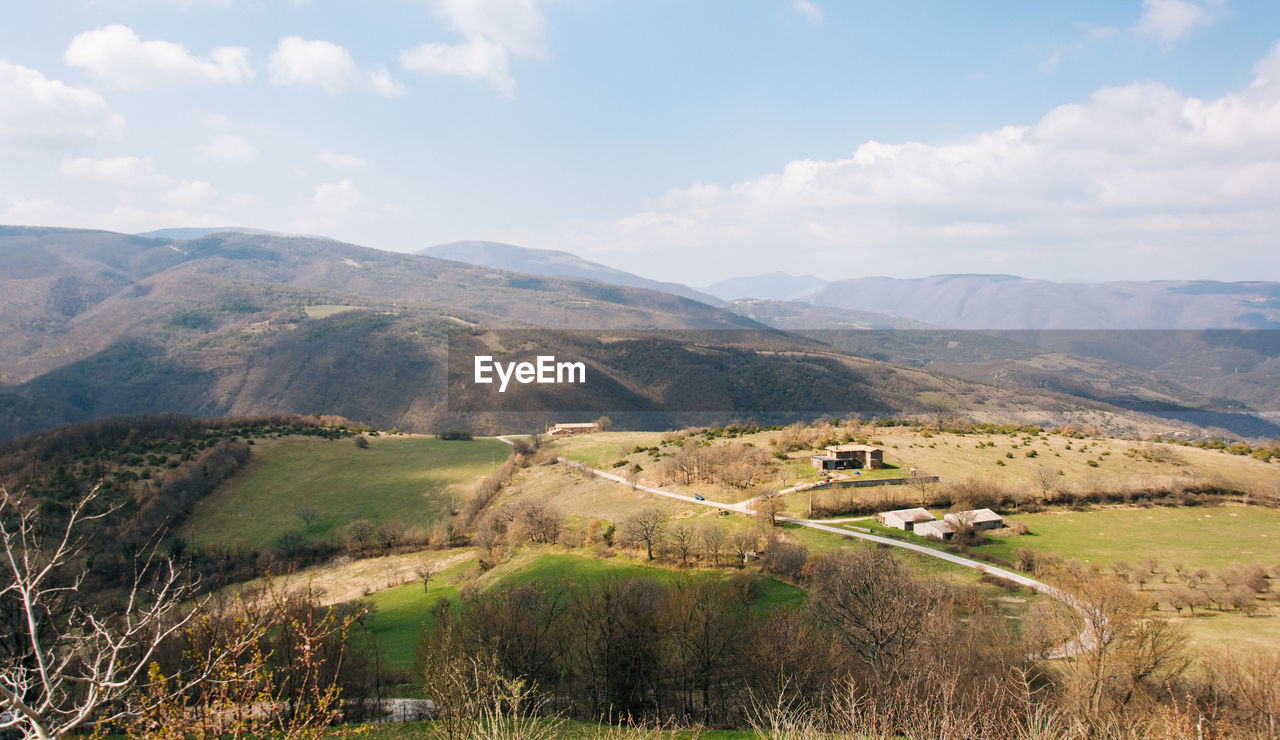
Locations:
(601, 449)
(1212, 629)
(401, 611)
(324, 311)
(1199, 537)
(398, 477)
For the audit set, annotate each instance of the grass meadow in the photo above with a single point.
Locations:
(408, 478)
(400, 612)
(1198, 536)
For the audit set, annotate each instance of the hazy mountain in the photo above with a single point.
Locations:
(199, 231)
(553, 263)
(777, 286)
(792, 315)
(1010, 302)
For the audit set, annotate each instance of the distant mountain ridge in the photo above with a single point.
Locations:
(1011, 302)
(773, 286)
(184, 233)
(554, 263)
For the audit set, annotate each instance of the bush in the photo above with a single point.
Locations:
(456, 434)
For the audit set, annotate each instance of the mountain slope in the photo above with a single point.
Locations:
(553, 263)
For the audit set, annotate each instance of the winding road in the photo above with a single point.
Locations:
(1079, 644)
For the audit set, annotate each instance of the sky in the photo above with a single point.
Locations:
(686, 140)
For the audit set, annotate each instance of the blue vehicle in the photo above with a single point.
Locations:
(698, 497)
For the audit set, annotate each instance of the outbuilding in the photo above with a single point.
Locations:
(904, 519)
(975, 519)
(936, 529)
(586, 427)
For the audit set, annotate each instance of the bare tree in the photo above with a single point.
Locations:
(875, 607)
(768, 506)
(75, 661)
(648, 526)
(712, 538)
(540, 521)
(360, 534)
(682, 540)
(1120, 651)
(920, 481)
(391, 532)
(425, 571)
(308, 515)
(744, 544)
(938, 406)
(1046, 479)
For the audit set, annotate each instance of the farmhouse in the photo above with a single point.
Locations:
(904, 519)
(976, 518)
(557, 430)
(939, 530)
(840, 457)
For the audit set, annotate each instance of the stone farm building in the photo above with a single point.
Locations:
(977, 519)
(904, 519)
(936, 529)
(586, 427)
(841, 457)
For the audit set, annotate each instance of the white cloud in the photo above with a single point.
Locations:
(126, 193)
(379, 80)
(1093, 35)
(114, 54)
(517, 25)
(229, 148)
(130, 174)
(36, 108)
(327, 66)
(478, 58)
(1167, 21)
(189, 194)
(335, 199)
(494, 31)
(1135, 181)
(344, 161)
(118, 170)
(39, 211)
(808, 9)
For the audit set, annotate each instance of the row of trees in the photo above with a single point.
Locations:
(1045, 486)
(734, 464)
(874, 652)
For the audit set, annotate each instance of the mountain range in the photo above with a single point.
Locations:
(97, 323)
